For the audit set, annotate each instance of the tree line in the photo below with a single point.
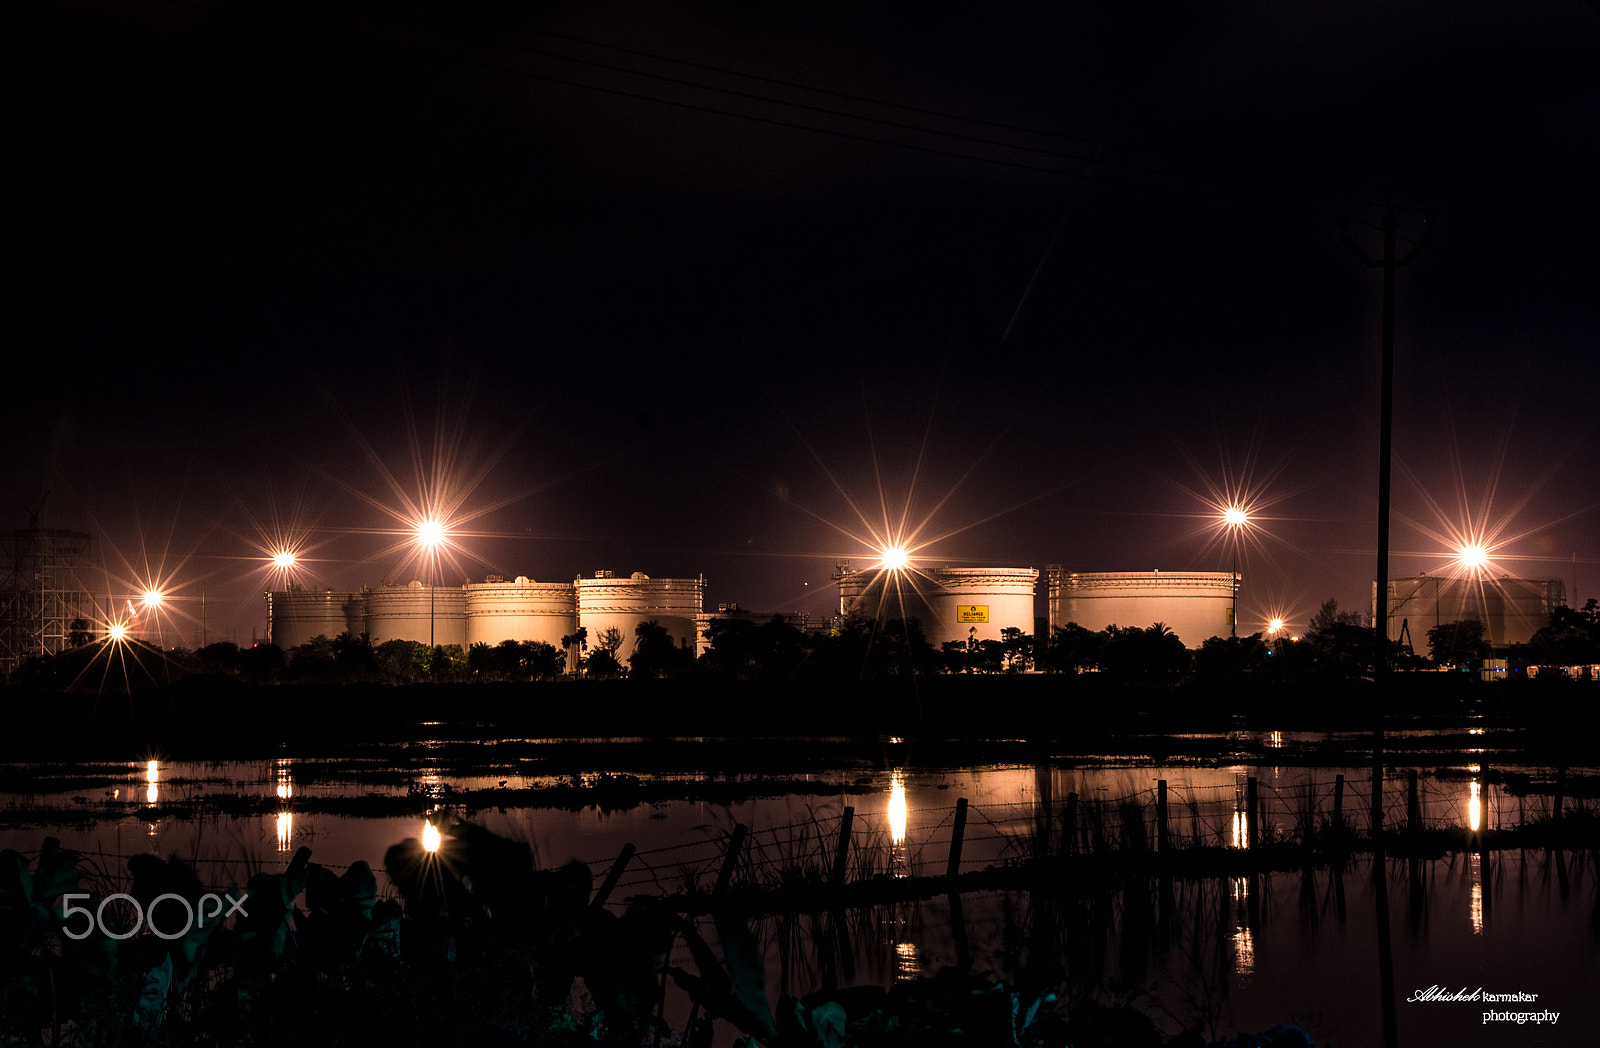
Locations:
(1334, 645)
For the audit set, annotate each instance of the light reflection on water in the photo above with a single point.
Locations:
(1475, 903)
(897, 808)
(1013, 808)
(1475, 914)
(908, 962)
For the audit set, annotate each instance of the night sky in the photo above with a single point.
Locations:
(667, 288)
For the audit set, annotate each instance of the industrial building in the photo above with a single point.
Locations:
(1196, 605)
(1511, 610)
(951, 604)
(521, 609)
(607, 602)
(44, 592)
(296, 615)
(426, 614)
(491, 611)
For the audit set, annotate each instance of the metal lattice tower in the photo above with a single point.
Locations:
(42, 592)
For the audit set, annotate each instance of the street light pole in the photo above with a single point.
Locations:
(430, 533)
(1233, 627)
(1380, 611)
(1235, 519)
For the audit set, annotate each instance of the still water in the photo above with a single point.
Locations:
(1221, 954)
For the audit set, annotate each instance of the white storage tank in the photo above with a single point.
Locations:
(1511, 610)
(294, 616)
(522, 610)
(425, 614)
(949, 603)
(878, 593)
(977, 603)
(607, 602)
(1193, 604)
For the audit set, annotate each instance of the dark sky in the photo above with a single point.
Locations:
(1050, 275)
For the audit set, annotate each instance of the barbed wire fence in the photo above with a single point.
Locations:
(832, 848)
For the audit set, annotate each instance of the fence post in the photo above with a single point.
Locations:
(1375, 818)
(1163, 842)
(1251, 811)
(612, 877)
(1413, 805)
(956, 833)
(843, 850)
(1555, 804)
(1338, 805)
(732, 858)
(1069, 825)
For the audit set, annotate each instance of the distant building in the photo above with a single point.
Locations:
(607, 602)
(1511, 610)
(491, 611)
(521, 609)
(295, 615)
(43, 592)
(949, 603)
(416, 612)
(1196, 605)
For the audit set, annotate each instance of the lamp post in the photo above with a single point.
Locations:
(1474, 558)
(152, 600)
(1235, 520)
(430, 535)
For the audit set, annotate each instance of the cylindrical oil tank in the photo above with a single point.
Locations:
(295, 616)
(1511, 610)
(977, 603)
(879, 593)
(521, 610)
(607, 602)
(425, 614)
(1193, 604)
(949, 603)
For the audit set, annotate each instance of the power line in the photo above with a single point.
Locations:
(942, 114)
(1091, 162)
(915, 128)
(773, 121)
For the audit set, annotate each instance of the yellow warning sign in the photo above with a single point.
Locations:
(972, 612)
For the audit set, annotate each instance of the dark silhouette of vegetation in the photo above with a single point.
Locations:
(1073, 649)
(1151, 655)
(1451, 643)
(973, 656)
(1571, 639)
(773, 650)
(1336, 646)
(1012, 653)
(481, 948)
(1340, 644)
(516, 660)
(603, 662)
(654, 654)
(1234, 660)
(859, 648)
